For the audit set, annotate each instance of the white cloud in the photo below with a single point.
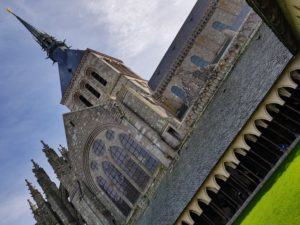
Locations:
(134, 25)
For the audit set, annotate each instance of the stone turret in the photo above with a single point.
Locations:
(52, 194)
(36, 212)
(42, 211)
(57, 162)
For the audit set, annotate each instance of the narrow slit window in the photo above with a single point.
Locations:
(92, 90)
(99, 78)
(85, 101)
(174, 133)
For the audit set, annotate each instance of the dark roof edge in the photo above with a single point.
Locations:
(272, 15)
(196, 18)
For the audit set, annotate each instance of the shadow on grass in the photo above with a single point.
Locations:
(268, 185)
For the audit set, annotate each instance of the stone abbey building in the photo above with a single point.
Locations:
(190, 146)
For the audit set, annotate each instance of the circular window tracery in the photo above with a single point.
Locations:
(94, 165)
(110, 134)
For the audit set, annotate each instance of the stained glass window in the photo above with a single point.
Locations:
(131, 168)
(94, 165)
(99, 147)
(139, 152)
(113, 195)
(110, 134)
(219, 26)
(123, 185)
(179, 92)
(198, 61)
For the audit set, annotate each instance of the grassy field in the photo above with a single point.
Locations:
(278, 202)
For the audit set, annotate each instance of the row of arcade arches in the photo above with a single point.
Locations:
(264, 139)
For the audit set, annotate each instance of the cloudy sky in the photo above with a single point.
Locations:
(136, 31)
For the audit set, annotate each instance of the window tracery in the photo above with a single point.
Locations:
(122, 184)
(113, 195)
(99, 147)
(94, 165)
(132, 169)
(139, 152)
(114, 169)
(110, 134)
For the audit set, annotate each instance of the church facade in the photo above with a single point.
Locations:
(190, 146)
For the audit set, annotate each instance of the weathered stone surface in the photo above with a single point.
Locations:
(245, 87)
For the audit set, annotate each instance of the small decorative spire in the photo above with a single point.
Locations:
(35, 165)
(64, 152)
(44, 145)
(32, 206)
(57, 162)
(33, 191)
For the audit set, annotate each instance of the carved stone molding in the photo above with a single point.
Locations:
(222, 69)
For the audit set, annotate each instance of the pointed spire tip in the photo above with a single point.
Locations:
(35, 165)
(9, 10)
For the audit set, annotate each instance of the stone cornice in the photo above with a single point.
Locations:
(185, 50)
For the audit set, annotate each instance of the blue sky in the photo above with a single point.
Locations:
(136, 31)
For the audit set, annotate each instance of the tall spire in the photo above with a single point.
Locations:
(67, 59)
(46, 41)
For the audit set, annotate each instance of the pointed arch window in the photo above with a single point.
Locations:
(132, 169)
(85, 101)
(113, 195)
(122, 184)
(92, 90)
(97, 77)
(139, 152)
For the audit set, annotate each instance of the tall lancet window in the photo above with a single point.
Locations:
(98, 78)
(122, 184)
(113, 195)
(132, 169)
(120, 167)
(139, 152)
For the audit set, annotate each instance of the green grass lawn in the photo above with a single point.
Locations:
(278, 202)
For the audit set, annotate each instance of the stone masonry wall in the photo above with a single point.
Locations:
(241, 92)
